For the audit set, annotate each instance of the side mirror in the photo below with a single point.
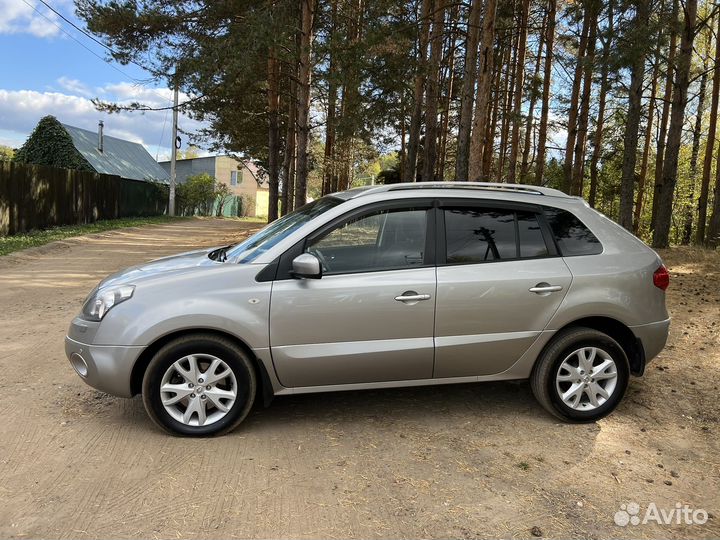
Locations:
(307, 266)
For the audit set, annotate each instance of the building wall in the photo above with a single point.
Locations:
(254, 199)
(245, 185)
(185, 168)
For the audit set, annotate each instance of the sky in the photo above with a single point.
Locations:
(48, 67)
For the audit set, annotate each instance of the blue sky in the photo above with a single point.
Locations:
(46, 71)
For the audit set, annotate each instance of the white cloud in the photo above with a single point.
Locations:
(20, 18)
(74, 86)
(20, 111)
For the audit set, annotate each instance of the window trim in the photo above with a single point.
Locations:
(284, 266)
(536, 210)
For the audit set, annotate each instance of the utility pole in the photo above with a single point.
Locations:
(173, 152)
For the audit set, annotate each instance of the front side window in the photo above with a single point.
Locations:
(278, 230)
(477, 235)
(382, 240)
(233, 178)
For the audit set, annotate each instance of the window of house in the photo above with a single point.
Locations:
(477, 235)
(382, 240)
(233, 178)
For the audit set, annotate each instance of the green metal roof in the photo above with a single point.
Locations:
(119, 157)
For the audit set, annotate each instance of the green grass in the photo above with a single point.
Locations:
(8, 244)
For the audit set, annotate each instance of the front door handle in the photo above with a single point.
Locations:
(543, 288)
(412, 296)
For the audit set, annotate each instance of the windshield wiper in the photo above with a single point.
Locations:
(220, 254)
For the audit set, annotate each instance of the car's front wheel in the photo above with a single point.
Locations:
(581, 376)
(199, 385)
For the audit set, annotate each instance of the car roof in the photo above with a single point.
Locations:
(520, 189)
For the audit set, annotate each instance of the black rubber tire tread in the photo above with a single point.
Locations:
(233, 355)
(542, 379)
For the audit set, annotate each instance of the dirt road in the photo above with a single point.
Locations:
(464, 461)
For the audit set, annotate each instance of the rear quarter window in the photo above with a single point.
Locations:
(572, 236)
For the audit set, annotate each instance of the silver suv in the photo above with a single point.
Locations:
(378, 287)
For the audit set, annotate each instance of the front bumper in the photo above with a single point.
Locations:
(107, 368)
(653, 337)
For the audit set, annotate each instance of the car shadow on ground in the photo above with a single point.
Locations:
(496, 406)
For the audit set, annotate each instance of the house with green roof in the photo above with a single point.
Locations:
(61, 145)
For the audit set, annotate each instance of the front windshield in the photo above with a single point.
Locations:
(260, 242)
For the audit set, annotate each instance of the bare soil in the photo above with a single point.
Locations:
(467, 461)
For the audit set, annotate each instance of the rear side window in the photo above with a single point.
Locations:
(571, 234)
(476, 235)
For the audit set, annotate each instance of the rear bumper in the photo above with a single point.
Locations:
(653, 337)
(107, 368)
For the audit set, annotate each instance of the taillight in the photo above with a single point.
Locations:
(661, 278)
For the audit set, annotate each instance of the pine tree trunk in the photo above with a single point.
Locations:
(578, 169)
(530, 121)
(431, 103)
(602, 102)
(507, 104)
(491, 120)
(273, 98)
(466, 93)
(303, 108)
(330, 116)
(709, 145)
(448, 85)
(410, 173)
(547, 79)
(661, 234)
(485, 77)
(574, 102)
(632, 122)
(519, 88)
(697, 134)
(665, 117)
(642, 177)
(286, 203)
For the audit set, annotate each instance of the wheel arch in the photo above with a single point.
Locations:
(141, 364)
(619, 332)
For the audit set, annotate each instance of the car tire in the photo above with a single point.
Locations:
(199, 404)
(563, 384)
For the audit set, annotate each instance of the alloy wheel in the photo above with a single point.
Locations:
(198, 390)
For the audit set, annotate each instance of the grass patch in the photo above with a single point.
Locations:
(524, 465)
(8, 244)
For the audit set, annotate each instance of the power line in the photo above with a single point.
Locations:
(80, 42)
(86, 33)
(105, 60)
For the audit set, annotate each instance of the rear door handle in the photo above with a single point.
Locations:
(542, 288)
(412, 296)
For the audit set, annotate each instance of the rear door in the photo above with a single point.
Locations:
(370, 317)
(500, 280)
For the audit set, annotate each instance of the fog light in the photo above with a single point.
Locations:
(79, 364)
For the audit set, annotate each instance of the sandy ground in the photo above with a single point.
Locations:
(464, 461)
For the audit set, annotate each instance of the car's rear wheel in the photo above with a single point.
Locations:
(199, 385)
(581, 376)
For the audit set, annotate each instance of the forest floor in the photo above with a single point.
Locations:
(467, 461)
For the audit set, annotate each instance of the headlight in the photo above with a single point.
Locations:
(100, 303)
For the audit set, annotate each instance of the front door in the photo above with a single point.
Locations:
(499, 283)
(370, 317)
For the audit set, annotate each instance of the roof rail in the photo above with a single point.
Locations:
(486, 186)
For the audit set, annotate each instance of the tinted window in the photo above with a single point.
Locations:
(532, 243)
(383, 240)
(572, 236)
(479, 234)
